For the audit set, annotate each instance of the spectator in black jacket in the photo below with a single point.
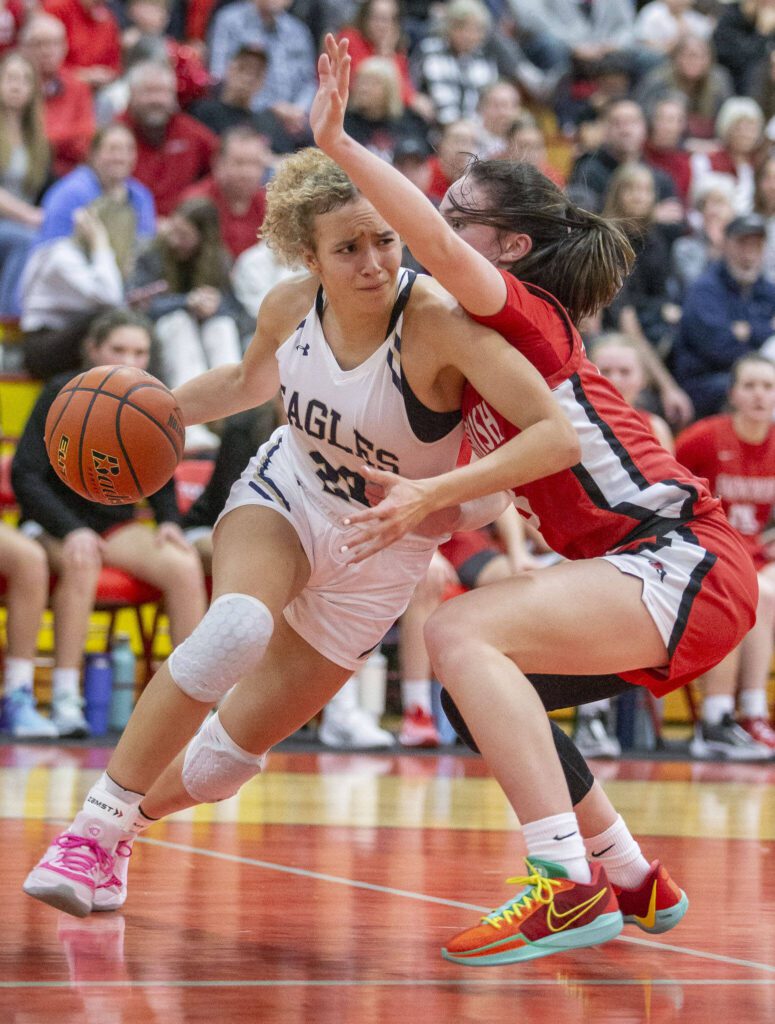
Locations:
(743, 37)
(728, 313)
(80, 536)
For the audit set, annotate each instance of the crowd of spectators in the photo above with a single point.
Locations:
(137, 138)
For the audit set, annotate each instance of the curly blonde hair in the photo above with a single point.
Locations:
(306, 184)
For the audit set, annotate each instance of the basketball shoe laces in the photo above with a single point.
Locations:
(537, 890)
(124, 849)
(80, 855)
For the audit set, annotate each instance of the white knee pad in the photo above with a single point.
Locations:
(214, 767)
(229, 641)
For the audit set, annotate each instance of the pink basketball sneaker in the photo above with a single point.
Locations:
(110, 892)
(77, 861)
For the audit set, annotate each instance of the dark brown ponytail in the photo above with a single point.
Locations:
(578, 257)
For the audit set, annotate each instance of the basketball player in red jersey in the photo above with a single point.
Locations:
(736, 453)
(657, 587)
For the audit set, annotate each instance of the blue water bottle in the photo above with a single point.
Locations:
(124, 677)
(97, 688)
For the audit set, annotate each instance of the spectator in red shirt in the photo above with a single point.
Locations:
(235, 187)
(94, 46)
(173, 149)
(68, 107)
(11, 20)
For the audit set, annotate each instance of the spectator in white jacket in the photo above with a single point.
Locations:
(65, 284)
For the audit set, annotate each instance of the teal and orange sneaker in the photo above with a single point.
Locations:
(657, 906)
(551, 914)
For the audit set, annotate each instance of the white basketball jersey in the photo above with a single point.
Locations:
(340, 419)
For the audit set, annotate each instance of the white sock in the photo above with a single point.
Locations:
(715, 707)
(18, 674)
(66, 682)
(558, 839)
(619, 854)
(753, 703)
(113, 807)
(416, 693)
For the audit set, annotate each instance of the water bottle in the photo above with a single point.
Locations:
(372, 683)
(97, 689)
(124, 665)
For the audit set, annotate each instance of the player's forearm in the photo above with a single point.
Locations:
(219, 393)
(544, 448)
(482, 511)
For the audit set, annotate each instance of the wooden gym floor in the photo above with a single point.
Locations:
(324, 891)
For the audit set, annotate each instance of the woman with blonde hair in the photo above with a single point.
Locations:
(376, 115)
(24, 167)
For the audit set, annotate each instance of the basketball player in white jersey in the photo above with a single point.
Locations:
(371, 361)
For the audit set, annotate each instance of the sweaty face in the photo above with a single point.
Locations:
(357, 254)
(753, 393)
(621, 366)
(482, 237)
(124, 346)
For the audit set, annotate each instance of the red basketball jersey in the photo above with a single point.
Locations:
(741, 474)
(626, 483)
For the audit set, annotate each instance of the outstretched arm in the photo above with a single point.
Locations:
(473, 280)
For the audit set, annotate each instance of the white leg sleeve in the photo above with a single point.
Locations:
(214, 767)
(227, 644)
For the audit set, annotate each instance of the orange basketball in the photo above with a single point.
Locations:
(114, 434)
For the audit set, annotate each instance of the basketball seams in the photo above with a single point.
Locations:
(86, 415)
(124, 452)
(125, 401)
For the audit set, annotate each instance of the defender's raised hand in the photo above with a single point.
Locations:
(326, 117)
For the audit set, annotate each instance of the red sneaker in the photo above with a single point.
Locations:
(657, 906)
(418, 730)
(552, 913)
(760, 729)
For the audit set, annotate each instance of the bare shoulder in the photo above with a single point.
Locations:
(432, 308)
(287, 304)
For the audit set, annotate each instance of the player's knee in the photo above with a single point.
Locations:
(215, 767)
(227, 645)
(443, 634)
